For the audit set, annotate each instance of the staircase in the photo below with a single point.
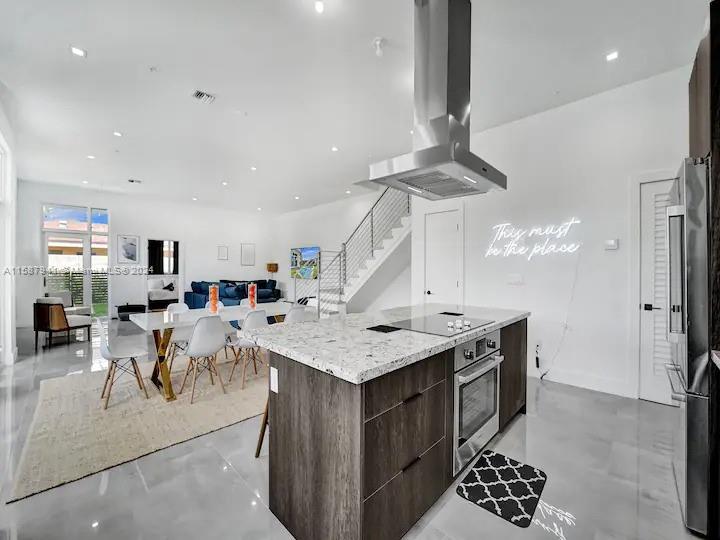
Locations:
(344, 272)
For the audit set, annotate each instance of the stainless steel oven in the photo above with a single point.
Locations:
(477, 381)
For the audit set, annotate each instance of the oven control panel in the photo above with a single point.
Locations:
(472, 351)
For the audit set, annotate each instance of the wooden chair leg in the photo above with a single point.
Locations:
(107, 377)
(139, 378)
(187, 371)
(173, 346)
(195, 370)
(254, 358)
(238, 355)
(246, 361)
(262, 429)
(110, 384)
(214, 367)
(210, 371)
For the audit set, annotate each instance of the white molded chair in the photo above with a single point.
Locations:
(208, 338)
(230, 330)
(295, 315)
(244, 347)
(181, 335)
(119, 360)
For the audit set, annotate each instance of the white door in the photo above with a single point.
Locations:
(443, 258)
(654, 347)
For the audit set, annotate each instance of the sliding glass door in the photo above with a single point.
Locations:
(76, 254)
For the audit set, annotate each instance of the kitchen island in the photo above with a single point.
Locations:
(361, 440)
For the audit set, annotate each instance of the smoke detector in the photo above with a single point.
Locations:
(203, 97)
(134, 181)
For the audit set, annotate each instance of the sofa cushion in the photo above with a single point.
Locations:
(195, 287)
(205, 287)
(241, 290)
(261, 283)
(262, 294)
(229, 291)
(271, 284)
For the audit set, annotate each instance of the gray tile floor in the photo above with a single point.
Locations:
(607, 460)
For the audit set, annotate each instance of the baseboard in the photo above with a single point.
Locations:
(607, 385)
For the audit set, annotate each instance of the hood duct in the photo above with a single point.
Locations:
(441, 165)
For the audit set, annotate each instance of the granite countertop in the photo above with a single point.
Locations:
(343, 347)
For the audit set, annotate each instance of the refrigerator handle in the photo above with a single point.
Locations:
(670, 212)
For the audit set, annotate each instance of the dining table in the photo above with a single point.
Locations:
(161, 324)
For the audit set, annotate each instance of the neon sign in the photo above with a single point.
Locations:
(509, 240)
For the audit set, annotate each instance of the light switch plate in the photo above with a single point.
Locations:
(612, 245)
(273, 380)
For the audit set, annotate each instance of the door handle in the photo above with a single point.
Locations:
(650, 307)
(428, 292)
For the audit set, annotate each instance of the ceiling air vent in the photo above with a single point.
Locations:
(134, 181)
(203, 97)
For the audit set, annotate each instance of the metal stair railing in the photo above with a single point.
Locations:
(338, 267)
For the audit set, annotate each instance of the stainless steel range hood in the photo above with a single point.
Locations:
(441, 165)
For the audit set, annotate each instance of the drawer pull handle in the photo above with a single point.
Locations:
(413, 397)
(413, 462)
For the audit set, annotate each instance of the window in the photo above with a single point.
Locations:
(65, 218)
(99, 220)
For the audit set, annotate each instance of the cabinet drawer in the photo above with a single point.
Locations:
(396, 437)
(389, 390)
(393, 510)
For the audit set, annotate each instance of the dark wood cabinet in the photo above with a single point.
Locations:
(358, 461)
(513, 371)
(366, 461)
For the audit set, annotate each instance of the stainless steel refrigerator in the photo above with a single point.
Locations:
(688, 333)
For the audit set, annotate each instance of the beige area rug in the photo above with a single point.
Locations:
(71, 436)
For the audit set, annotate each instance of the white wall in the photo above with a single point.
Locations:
(325, 225)
(8, 209)
(199, 230)
(575, 161)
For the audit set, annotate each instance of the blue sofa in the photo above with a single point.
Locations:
(231, 292)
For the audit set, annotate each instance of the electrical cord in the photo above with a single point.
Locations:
(565, 322)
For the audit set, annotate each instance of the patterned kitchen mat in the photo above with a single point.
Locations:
(505, 487)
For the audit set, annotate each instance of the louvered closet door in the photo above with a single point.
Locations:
(654, 347)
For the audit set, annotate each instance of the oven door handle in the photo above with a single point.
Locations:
(482, 370)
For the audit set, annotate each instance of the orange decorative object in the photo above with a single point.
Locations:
(272, 267)
(252, 295)
(214, 294)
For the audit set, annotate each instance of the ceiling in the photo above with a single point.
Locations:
(289, 84)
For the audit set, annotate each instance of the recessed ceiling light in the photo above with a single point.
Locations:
(334, 149)
(297, 197)
(91, 157)
(470, 179)
(77, 51)
(347, 192)
(94, 524)
(224, 183)
(259, 209)
(412, 132)
(117, 133)
(84, 181)
(194, 198)
(319, 6)
(253, 168)
(414, 189)
(612, 56)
